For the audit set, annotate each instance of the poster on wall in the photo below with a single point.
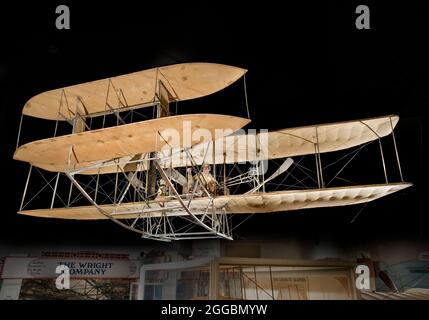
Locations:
(33, 268)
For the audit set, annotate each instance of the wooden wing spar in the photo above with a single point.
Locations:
(180, 177)
(183, 81)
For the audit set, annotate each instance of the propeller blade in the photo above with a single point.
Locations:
(285, 165)
(176, 176)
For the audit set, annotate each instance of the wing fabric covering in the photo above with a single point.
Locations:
(184, 81)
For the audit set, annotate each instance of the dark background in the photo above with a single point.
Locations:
(307, 64)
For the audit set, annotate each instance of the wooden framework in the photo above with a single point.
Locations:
(160, 187)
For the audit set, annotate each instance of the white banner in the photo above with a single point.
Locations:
(27, 268)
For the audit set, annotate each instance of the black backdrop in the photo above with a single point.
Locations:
(307, 64)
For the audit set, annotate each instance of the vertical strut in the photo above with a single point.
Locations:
(224, 172)
(56, 128)
(25, 188)
(55, 190)
(320, 160)
(116, 184)
(396, 149)
(317, 166)
(19, 131)
(258, 168)
(214, 160)
(260, 162)
(96, 185)
(382, 160)
(245, 96)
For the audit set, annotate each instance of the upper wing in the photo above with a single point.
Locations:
(184, 81)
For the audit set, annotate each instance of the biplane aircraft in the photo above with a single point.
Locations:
(168, 176)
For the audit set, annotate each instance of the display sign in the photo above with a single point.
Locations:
(27, 268)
